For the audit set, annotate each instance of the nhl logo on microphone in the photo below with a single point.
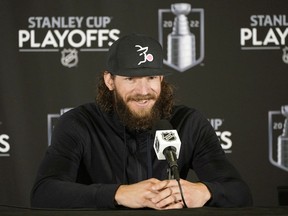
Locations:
(169, 136)
(164, 139)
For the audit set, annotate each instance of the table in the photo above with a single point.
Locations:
(205, 211)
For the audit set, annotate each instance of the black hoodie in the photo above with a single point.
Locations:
(92, 154)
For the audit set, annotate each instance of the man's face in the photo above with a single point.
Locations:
(137, 94)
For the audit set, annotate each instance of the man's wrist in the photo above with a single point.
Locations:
(118, 195)
(207, 192)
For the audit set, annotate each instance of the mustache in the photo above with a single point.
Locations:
(139, 97)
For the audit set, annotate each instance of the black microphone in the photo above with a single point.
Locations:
(167, 145)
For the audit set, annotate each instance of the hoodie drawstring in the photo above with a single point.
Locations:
(124, 180)
(149, 158)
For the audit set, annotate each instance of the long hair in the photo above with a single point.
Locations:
(105, 98)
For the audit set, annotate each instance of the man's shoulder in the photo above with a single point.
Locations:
(183, 110)
(83, 111)
(181, 113)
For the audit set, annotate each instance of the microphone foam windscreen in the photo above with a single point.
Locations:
(162, 124)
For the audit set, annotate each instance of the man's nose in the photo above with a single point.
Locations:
(142, 86)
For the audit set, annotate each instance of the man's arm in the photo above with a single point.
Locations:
(202, 150)
(212, 167)
(56, 187)
(56, 182)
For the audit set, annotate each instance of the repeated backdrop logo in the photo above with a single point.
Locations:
(68, 35)
(181, 33)
(4, 143)
(52, 120)
(223, 134)
(278, 137)
(266, 32)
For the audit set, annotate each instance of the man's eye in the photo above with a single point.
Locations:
(152, 77)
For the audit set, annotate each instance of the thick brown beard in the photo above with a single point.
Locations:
(162, 107)
(133, 120)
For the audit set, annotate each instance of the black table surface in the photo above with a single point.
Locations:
(205, 211)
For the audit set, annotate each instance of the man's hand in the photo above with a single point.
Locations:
(169, 196)
(137, 195)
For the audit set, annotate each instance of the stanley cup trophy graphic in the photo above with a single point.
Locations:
(181, 48)
(283, 140)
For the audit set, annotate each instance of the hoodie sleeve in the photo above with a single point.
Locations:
(56, 184)
(211, 165)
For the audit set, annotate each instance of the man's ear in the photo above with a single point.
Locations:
(109, 81)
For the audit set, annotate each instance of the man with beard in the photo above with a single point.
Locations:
(101, 154)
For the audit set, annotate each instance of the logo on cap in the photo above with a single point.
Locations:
(143, 52)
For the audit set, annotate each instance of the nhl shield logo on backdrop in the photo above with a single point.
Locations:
(278, 137)
(181, 34)
(69, 57)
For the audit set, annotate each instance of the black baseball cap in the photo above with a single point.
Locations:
(136, 55)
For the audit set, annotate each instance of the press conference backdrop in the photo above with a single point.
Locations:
(229, 60)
